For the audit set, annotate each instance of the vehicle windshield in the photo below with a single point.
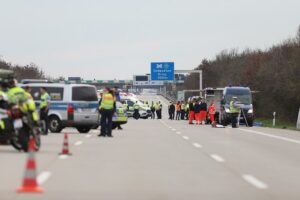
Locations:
(84, 93)
(243, 96)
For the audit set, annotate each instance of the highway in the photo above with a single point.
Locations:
(162, 159)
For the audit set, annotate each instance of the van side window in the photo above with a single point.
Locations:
(56, 93)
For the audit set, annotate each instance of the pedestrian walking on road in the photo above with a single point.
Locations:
(203, 111)
(107, 108)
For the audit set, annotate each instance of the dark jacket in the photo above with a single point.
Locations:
(203, 107)
(191, 106)
(172, 108)
(197, 108)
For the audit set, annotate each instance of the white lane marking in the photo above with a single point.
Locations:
(272, 136)
(197, 145)
(185, 137)
(255, 182)
(78, 143)
(62, 157)
(178, 132)
(217, 158)
(43, 177)
(173, 129)
(88, 136)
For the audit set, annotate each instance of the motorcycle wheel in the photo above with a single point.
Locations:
(16, 144)
(24, 138)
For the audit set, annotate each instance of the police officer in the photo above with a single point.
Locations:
(234, 111)
(44, 108)
(107, 108)
(136, 109)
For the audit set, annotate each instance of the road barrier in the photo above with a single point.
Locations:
(298, 121)
(30, 184)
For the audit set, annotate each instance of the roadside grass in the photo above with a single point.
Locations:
(279, 124)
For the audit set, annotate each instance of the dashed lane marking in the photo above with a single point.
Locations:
(88, 136)
(43, 177)
(62, 157)
(217, 158)
(78, 143)
(178, 132)
(185, 137)
(197, 145)
(255, 182)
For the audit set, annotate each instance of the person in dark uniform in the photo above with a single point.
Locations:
(107, 108)
(172, 111)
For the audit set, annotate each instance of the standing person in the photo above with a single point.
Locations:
(136, 113)
(178, 106)
(44, 108)
(197, 112)
(152, 110)
(172, 111)
(159, 110)
(191, 111)
(169, 110)
(182, 110)
(203, 111)
(107, 108)
(234, 110)
(212, 112)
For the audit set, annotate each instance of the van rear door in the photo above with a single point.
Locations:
(85, 103)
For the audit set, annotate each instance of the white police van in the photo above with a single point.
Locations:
(72, 105)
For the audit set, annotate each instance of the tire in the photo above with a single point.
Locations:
(250, 123)
(24, 138)
(37, 143)
(55, 124)
(83, 129)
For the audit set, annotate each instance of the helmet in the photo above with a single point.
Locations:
(6, 76)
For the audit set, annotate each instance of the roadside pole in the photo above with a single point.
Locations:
(298, 121)
(274, 118)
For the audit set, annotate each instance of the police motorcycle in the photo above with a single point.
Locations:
(19, 125)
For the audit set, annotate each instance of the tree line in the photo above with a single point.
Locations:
(274, 73)
(30, 71)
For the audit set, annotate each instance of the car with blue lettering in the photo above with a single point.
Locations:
(71, 105)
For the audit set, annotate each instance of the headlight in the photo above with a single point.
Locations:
(250, 111)
(227, 110)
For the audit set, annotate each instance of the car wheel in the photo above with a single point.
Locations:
(83, 129)
(55, 124)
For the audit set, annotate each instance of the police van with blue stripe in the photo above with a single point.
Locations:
(71, 105)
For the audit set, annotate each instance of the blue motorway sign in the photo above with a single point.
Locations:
(162, 71)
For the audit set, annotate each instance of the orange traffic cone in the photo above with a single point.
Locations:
(65, 150)
(29, 182)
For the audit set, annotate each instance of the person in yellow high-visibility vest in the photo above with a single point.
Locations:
(44, 108)
(107, 108)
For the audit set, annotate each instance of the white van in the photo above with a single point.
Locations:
(72, 105)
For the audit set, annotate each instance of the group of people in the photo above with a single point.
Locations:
(156, 109)
(194, 110)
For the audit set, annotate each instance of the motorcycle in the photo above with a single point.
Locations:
(19, 129)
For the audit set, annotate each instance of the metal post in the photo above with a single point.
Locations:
(274, 119)
(200, 82)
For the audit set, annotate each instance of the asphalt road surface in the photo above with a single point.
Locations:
(162, 159)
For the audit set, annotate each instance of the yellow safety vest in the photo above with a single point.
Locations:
(107, 102)
(44, 100)
(232, 108)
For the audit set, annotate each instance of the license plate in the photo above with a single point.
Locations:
(18, 123)
(86, 110)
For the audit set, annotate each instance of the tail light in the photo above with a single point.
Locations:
(70, 109)
(16, 113)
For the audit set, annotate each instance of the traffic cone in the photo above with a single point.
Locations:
(65, 149)
(29, 182)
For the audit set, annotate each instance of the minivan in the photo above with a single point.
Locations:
(244, 97)
(72, 105)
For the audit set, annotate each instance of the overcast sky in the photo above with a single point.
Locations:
(107, 39)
